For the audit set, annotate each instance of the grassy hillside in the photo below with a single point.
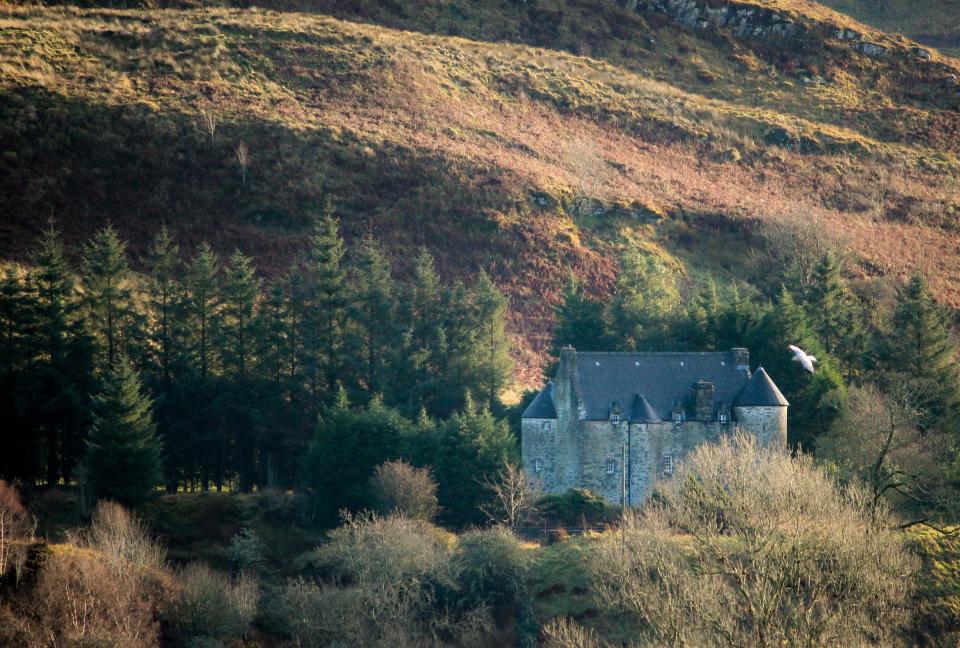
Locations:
(934, 22)
(474, 133)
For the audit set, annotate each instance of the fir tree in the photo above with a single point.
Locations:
(65, 367)
(813, 398)
(425, 343)
(240, 291)
(646, 303)
(202, 306)
(919, 347)
(835, 314)
(123, 450)
(107, 291)
(326, 313)
(165, 301)
(373, 317)
(492, 353)
(580, 322)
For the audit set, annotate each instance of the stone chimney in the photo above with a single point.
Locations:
(741, 358)
(703, 394)
(567, 389)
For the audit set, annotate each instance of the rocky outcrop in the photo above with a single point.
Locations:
(743, 20)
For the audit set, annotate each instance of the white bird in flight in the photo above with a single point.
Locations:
(799, 355)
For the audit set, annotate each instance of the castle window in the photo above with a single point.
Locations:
(537, 465)
(666, 464)
(546, 426)
(724, 417)
(611, 466)
(615, 418)
(677, 417)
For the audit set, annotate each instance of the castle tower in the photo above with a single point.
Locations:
(761, 410)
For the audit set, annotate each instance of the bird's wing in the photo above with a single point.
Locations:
(796, 350)
(812, 359)
(797, 358)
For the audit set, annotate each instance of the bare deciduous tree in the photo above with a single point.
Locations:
(210, 121)
(799, 241)
(514, 498)
(562, 632)
(754, 547)
(243, 159)
(399, 487)
(16, 526)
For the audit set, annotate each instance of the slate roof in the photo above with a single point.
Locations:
(642, 411)
(662, 378)
(542, 406)
(760, 392)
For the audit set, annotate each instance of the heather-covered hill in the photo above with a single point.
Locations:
(528, 140)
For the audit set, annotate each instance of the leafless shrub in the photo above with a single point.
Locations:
(213, 606)
(16, 527)
(798, 241)
(514, 498)
(753, 547)
(565, 633)
(386, 574)
(123, 540)
(591, 173)
(399, 487)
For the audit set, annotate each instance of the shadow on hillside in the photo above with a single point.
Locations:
(85, 163)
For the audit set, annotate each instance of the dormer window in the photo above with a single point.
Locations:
(678, 417)
(615, 418)
(611, 466)
(724, 417)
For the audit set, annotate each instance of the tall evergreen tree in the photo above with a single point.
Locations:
(165, 301)
(64, 369)
(836, 315)
(814, 398)
(647, 302)
(919, 347)
(373, 317)
(492, 351)
(425, 341)
(124, 453)
(240, 290)
(202, 306)
(18, 320)
(326, 314)
(580, 322)
(107, 292)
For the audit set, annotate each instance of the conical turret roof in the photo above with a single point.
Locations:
(542, 406)
(642, 411)
(760, 392)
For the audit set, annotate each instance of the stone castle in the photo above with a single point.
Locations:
(615, 423)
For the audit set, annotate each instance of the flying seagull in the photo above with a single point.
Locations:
(799, 355)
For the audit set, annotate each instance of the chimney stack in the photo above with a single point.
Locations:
(741, 358)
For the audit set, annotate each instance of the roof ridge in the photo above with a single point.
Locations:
(659, 353)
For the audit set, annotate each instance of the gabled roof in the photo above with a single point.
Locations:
(542, 406)
(642, 412)
(662, 378)
(760, 392)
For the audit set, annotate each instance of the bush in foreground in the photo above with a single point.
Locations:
(753, 547)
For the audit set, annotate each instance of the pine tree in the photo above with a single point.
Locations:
(373, 318)
(813, 398)
(65, 367)
(920, 348)
(202, 306)
(492, 353)
(835, 314)
(425, 342)
(107, 292)
(240, 291)
(646, 303)
(580, 322)
(326, 312)
(165, 302)
(123, 450)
